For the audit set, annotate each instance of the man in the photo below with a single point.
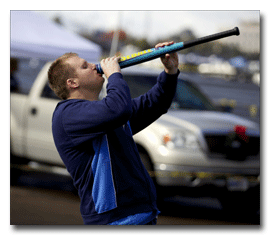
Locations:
(94, 137)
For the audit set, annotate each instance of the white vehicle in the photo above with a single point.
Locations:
(192, 146)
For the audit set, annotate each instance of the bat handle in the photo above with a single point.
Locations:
(231, 32)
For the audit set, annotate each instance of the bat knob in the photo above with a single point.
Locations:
(237, 32)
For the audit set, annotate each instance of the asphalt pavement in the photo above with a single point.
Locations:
(37, 206)
(44, 198)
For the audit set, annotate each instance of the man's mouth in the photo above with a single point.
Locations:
(95, 68)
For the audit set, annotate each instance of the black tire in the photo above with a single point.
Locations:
(15, 171)
(147, 163)
(241, 203)
(161, 193)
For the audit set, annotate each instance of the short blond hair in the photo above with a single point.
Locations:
(58, 74)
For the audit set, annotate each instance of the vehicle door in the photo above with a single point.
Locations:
(40, 144)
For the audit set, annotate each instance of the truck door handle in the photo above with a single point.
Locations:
(34, 111)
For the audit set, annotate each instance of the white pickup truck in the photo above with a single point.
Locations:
(192, 146)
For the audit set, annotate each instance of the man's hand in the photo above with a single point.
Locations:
(170, 61)
(110, 65)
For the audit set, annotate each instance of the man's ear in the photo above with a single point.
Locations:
(72, 83)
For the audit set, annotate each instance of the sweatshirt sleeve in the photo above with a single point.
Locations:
(149, 107)
(83, 119)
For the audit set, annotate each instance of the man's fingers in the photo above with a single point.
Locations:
(162, 44)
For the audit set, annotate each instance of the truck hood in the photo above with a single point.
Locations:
(209, 122)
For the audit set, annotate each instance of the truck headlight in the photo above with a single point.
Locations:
(182, 139)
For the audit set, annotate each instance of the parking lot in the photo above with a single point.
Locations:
(44, 198)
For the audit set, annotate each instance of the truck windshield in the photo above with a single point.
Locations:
(187, 96)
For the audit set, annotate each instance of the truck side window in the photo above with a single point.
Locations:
(48, 93)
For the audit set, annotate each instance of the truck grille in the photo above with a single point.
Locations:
(233, 147)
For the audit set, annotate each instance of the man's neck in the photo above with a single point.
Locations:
(91, 96)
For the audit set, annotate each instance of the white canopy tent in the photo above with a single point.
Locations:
(33, 36)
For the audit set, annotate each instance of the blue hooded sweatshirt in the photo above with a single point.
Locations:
(94, 140)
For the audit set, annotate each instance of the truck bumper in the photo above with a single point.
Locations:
(232, 178)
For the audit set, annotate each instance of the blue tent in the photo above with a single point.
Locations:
(33, 36)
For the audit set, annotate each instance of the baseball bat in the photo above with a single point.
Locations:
(154, 53)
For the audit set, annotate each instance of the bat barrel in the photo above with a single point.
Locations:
(143, 56)
(149, 54)
(154, 53)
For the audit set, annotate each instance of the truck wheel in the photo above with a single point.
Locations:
(15, 171)
(147, 164)
(15, 174)
(241, 203)
(149, 167)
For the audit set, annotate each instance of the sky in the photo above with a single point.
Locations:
(155, 24)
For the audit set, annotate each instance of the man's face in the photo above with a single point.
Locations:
(86, 74)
